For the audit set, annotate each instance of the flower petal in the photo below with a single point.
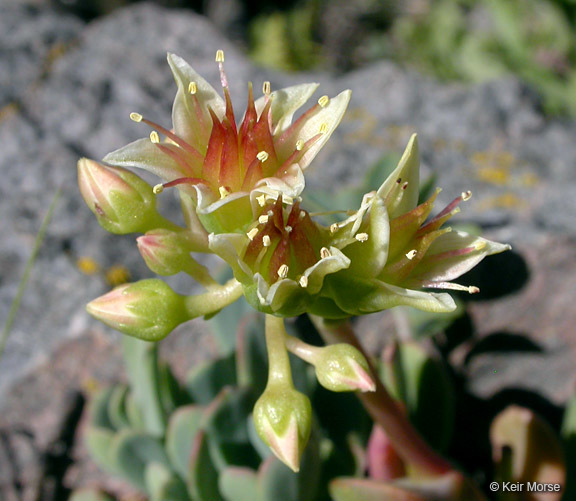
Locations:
(335, 262)
(322, 122)
(190, 114)
(144, 154)
(453, 254)
(285, 102)
(230, 246)
(408, 171)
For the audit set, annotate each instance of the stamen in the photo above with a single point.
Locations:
(323, 101)
(224, 192)
(159, 188)
(324, 253)
(303, 281)
(283, 271)
(466, 195)
(192, 88)
(302, 215)
(252, 233)
(480, 245)
(412, 254)
(288, 229)
(287, 199)
(299, 145)
(324, 128)
(266, 242)
(261, 200)
(334, 228)
(135, 117)
(219, 56)
(472, 289)
(154, 137)
(361, 237)
(263, 219)
(266, 88)
(262, 156)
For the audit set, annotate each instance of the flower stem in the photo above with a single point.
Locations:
(279, 364)
(214, 299)
(385, 411)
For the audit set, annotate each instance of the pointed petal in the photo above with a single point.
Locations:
(285, 102)
(230, 246)
(323, 120)
(144, 154)
(190, 114)
(452, 255)
(408, 170)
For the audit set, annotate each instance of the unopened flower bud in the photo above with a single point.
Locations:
(166, 252)
(341, 367)
(122, 201)
(283, 417)
(148, 309)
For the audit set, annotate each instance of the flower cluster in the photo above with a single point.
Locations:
(240, 185)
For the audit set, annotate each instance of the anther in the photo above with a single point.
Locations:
(466, 195)
(399, 180)
(324, 253)
(136, 117)
(192, 88)
(262, 156)
(261, 200)
(299, 145)
(302, 215)
(252, 233)
(263, 219)
(154, 137)
(303, 281)
(283, 271)
(334, 228)
(412, 254)
(266, 88)
(224, 192)
(287, 199)
(361, 237)
(288, 229)
(480, 245)
(159, 188)
(266, 242)
(323, 101)
(405, 185)
(473, 289)
(324, 128)
(219, 56)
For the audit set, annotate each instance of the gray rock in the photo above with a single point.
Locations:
(491, 138)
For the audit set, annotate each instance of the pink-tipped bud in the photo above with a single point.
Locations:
(341, 367)
(166, 252)
(148, 309)
(122, 201)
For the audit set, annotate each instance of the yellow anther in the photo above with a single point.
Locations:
(302, 215)
(263, 219)
(299, 144)
(266, 88)
(480, 245)
(323, 101)
(136, 117)
(466, 195)
(334, 228)
(283, 271)
(154, 137)
(192, 88)
(219, 56)
(473, 289)
(324, 128)
(412, 254)
(87, 265)
(324, 253)
(266, 241)
(288, 229)
(287, 199)
(224, 192)
(159, 188)
(261, 200)
(361, 237)
(303, 281)
(252, 233)
(262, 156)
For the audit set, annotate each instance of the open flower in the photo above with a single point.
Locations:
(219, 162)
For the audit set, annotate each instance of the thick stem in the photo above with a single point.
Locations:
(214, 299)
(385, 411)
(301, 349)
(278, 362)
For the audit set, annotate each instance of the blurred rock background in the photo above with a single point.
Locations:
(72, 71)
